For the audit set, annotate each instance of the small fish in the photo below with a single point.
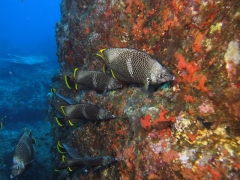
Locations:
(73, 153)
(133, 66)
(77, 112)
(94, 162)
(67, 100)
(80, 161)
(95, 80)
(84, 162)
(23, 155)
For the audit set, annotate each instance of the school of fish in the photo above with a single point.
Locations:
(127, 65)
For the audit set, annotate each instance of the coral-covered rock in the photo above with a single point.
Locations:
(187, 129)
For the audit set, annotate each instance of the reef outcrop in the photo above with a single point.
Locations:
(187, 129)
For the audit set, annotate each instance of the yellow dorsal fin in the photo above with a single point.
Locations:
(59, 150)
(58, 122)
(63, 158)
(113, 74)
(62, 108)
(76, 86)
(71, 124)
(101, 50)
(66, 82)
(70, 169)
(59, 144)
(75, 72)
(100, 54)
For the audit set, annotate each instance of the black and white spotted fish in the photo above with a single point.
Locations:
(77, 112)
(23, 155)
(94, 162)
(96, 80)
(133, 66)
(86, 163)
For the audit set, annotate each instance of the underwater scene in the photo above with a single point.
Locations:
(120, 90)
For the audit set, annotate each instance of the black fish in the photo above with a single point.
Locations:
(73, 153)
(85, 162)
(77, 112)
(95, 80)
(23, 155)
(133, 66)
(91, 161)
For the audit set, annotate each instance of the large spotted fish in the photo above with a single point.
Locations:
(96, 80)
(23, 155)
(77, 112)
(135, 66)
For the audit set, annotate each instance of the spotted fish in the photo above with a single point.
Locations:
(90, 161)
(23, 155)
(133, 66)
(77, 112)
(95, 80)
(77, 160)
(71, 153)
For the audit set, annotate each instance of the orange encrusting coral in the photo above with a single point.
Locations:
(138, 26)
(129, 3)
(201, 79)
(121, 132)
(145, 121)
(128, 155)
(169, 156)
(197, 45)
(189, 98)
(191, 76)
(208, 168)
(192, 137)
(162, 117)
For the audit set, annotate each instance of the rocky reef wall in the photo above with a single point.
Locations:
(198, 41)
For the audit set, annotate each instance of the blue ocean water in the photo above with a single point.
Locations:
(28, 61)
